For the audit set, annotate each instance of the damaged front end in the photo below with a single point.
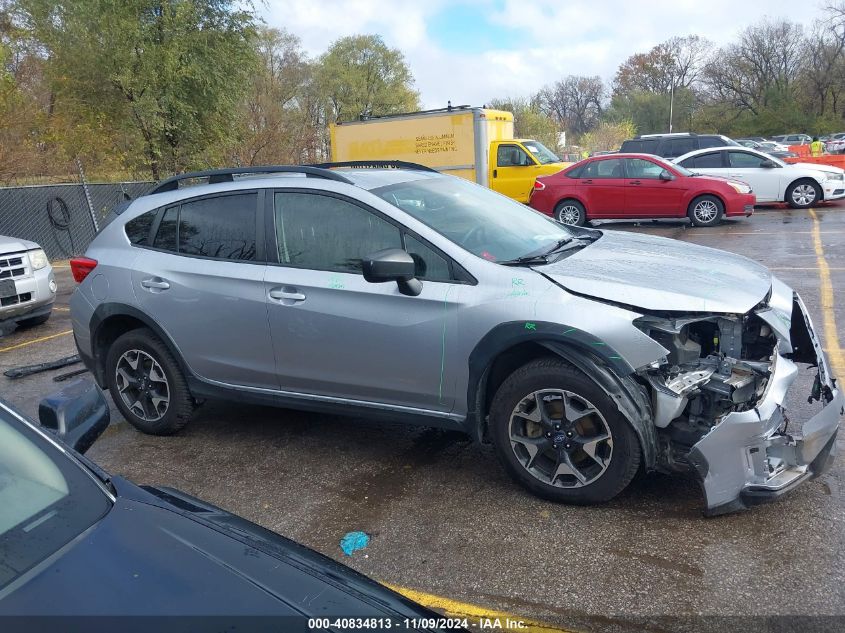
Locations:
(718, 400)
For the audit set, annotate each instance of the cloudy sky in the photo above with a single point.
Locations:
(469, 51)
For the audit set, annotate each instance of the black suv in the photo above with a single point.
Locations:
(674, 145)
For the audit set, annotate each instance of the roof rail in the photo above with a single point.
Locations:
(375, 164)
(659, 134)
(228, 175)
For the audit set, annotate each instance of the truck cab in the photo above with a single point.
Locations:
(515, 164)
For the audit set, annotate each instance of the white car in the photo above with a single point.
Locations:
(835, 144)
(27, 284)
(800, 185)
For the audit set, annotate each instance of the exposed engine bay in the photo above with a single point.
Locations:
(716, 365)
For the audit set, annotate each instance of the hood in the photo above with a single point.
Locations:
(827, 169)
(656, 273)
(154, 557)
(15, 245)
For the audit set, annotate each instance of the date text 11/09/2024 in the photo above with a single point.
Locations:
(409, 624)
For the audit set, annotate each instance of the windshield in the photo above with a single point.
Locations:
(46, 499)
(481, 221)
(541, 152)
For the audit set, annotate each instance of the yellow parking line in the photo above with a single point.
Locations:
(473, 612)
(837, 357)
(61, 308)
(33, 341)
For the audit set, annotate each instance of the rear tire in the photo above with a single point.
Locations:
(802, 194)
(706, 211)
(571, 212)
(586, 461)
(147, 385)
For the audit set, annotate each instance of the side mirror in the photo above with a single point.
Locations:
(393, 264)
(768, 164)
(665, 175)
(78, 414)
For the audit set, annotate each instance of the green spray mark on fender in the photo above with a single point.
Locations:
(443, 343)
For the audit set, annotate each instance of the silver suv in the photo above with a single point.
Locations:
(27, 284)
(396, 292)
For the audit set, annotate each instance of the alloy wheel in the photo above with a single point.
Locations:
(804, 194)
(561, 438)
(569, 214)
(142, 385)
(705, 211)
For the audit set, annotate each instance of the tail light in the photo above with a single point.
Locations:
(81, 266)
(539, 186)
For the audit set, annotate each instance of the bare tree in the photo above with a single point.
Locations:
(763, 66)
(677, 62)
(576, 102)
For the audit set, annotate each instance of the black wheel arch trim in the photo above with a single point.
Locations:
(105, 311)
(586, 352)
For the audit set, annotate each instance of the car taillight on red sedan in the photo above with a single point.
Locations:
(81, 266)
(539, 186)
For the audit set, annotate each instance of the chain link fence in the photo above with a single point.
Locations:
(62, 218)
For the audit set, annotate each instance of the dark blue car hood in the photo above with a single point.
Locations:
(159, 552)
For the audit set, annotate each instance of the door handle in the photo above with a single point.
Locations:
(286, 295)
(155, 284)
(495, 173)
(635, 182)
(587, 182)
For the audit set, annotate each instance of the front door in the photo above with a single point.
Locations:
(514, 172)
(647, 195)
(336, 335)
(747, 167)
(204, 286)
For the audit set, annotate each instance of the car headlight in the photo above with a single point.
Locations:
(740, 187)
(835, 176)
(38, 259)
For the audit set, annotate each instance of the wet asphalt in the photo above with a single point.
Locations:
(445, 519)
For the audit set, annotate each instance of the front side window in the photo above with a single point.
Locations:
(744, 160)
(608, 168)
(46, 499)
(641, 168)
(706, 142)
(429, 265)
(327, 233)
(475, 218)
(512, 156)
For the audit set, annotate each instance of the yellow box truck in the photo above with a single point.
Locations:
(474, 143)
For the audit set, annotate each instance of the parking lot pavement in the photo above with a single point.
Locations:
(446, 521)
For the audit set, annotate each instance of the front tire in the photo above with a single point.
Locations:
(559, 435)
(802, 194)
(147, 385)
(571, 212)
(706, 211)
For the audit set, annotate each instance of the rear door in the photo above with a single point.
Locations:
(202, 280)
(513, 172)
(338, 336)
(602, 187)
(646, 195)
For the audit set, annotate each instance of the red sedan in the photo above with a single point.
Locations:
(623, 186)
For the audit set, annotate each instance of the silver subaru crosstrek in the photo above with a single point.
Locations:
(396, 292)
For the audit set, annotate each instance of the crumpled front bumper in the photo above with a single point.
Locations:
(745, 459)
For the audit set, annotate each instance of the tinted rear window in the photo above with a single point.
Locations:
(711, 160)
(673, 147)
(138, 229)
(640, 146)
(221, 227)
(710, 141)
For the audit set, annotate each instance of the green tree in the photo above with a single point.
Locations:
(164, 76)
(360, 75)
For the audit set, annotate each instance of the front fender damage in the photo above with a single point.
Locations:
(719, 401)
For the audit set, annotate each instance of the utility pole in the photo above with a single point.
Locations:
(671, 100)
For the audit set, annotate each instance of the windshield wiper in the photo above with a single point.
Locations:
(537, 258)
